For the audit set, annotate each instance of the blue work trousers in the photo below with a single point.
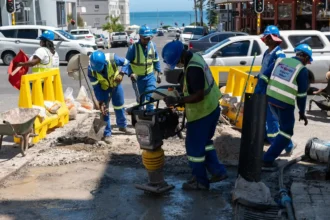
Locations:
(145, 84)
(200, 150)
(118, 105)
(271, 126)
(283, 139)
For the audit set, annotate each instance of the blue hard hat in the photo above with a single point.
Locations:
(145, 31)
(271, 29)
(97, 61)
(306, 49)
(47, 35)
(172, 52)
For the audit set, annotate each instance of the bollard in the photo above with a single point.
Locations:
(252, 139)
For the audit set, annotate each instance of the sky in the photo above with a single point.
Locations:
(161, 5)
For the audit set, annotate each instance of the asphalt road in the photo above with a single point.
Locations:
(9, 95)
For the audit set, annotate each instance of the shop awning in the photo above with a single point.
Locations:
(230, 1)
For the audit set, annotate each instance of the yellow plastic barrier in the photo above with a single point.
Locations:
(51, 91)
(233, 91)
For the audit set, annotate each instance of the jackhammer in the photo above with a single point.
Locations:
(151, 128)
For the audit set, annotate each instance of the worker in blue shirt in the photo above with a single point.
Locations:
(105, 78)
(274, 51)
(144, 60)
(286, 84)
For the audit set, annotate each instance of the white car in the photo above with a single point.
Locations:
(239, 51)
(192, 33)
(83, 34)
(25, 37)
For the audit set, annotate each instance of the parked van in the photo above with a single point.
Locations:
(25, 37)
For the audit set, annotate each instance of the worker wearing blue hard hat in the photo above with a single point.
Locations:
(286, 84)
(45, 57)
(271, 37)
(201, 100)
(144, 61)
(106, 78)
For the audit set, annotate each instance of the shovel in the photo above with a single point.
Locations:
(97, 130)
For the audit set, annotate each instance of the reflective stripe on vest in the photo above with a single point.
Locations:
(44, 67)
(142, 65)
(112, 72)
(283, 81)
(212, 94)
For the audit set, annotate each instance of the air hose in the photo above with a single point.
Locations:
(285, 199)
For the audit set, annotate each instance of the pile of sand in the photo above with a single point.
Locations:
(227, 144)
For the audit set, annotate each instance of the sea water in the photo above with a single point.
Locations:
(154, 19)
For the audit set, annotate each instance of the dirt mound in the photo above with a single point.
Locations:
(227, 144)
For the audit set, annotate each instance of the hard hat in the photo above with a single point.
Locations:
(306, 49)
(145, 31)
(97, 61)
(273, 31)
(47, 35)
(172, 52)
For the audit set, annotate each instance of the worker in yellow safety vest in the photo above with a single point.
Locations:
(201, 100)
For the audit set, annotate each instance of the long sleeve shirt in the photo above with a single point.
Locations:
(302, 83)
(99, 92)
(130, 56)
(268, 63)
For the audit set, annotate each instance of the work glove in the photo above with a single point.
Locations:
(133, 77)
(119, 78)
(171, 100)
(303, 117)
(159, 78)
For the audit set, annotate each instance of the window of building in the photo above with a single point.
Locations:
(27, 33)
(284, 11)
(97, 20)
(313, 41)
(60, 13)
(269, 11)
(236, 49)
(96, 7)
(9, 33)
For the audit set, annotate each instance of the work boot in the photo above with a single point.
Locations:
(193, 185)
(218, 178)
(269, 166)
(107, 139)
(124, 130)
(290, 152)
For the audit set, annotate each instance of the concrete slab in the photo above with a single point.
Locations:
(10, 158)
(311, 200)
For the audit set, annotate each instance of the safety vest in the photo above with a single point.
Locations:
(212, 94)
(142, 65)
(44, 67)
(282, 84)
(112, 71)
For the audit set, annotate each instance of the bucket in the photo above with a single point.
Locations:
(318, 150)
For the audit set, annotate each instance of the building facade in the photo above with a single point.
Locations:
(286, 14)
(40, 12)
(124, 12)
(95, 13)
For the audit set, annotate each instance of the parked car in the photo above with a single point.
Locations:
(25, 37)
(211, 40)
(119, 38)
(238, 52)
(193, 33)
(83, 34)
(101, 41)
(160, 33)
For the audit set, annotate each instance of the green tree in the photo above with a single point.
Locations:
(211, 15)
(80, 22)
(112, 25)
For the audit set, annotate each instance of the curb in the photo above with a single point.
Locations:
(13, 165)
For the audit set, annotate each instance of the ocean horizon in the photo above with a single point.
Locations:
(154, 19)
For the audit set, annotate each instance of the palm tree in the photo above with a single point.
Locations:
(112, 24)
(200, 5)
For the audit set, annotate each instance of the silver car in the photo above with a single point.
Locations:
(101, 41)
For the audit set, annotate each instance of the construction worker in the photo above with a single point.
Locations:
(45, 57)
(144, 60)
(287, 83)
(106, 78)
(271, 39)
(201, 100)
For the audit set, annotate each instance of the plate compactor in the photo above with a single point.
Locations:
(151, 128)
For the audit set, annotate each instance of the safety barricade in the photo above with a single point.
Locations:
(233, 91)
(46, 86)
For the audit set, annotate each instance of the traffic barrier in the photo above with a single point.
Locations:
(51, 90)
(233, 91)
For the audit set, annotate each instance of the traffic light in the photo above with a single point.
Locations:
(10, 6)
(258, 6)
